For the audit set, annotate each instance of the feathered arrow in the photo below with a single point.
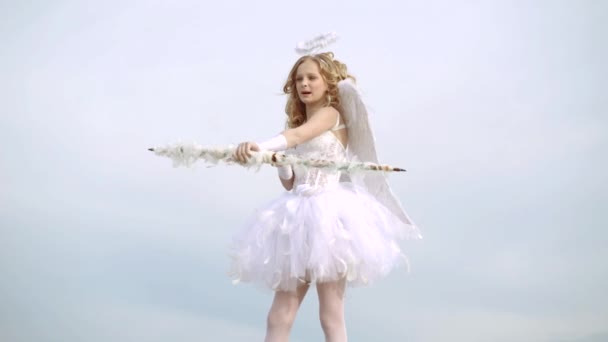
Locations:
(186, 154)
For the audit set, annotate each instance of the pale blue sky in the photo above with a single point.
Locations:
(498, 110)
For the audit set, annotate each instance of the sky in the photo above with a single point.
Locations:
(497, 109)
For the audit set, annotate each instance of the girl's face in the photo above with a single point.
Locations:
(310, 84)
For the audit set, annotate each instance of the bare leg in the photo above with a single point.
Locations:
(283, 313)
(331, 310)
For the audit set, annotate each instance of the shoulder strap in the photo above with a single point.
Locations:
(337, 126)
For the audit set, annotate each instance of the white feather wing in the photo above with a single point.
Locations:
(362, 147)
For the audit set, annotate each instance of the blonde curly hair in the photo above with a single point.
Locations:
(332, 71)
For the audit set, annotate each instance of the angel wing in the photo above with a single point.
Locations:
(362, 147)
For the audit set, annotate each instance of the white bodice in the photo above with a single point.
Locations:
(325, 146)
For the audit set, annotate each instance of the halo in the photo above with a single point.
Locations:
(308, 47)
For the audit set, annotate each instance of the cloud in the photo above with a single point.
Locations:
(78, 319)
(494, 109)
(402, 322)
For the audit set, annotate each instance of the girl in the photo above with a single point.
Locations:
(324, 230)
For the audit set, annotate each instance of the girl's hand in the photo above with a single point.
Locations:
(243, 151)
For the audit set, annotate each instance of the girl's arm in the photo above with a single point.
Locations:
(322, 121)
(288, 183)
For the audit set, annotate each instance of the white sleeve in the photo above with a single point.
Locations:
(276, 143)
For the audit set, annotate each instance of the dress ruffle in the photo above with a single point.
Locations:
(319, 234)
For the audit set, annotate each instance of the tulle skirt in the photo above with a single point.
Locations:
(318, 235)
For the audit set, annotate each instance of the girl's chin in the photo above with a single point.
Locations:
(307, 101)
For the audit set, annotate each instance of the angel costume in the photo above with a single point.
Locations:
(330, 225)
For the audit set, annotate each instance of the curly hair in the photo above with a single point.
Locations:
(332, 71)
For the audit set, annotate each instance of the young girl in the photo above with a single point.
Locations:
(324, 230)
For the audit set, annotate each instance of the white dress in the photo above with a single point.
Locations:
(321, 230)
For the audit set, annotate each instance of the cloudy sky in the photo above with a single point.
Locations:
(498, 110)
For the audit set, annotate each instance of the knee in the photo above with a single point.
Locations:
(331, 320)
(281, 318)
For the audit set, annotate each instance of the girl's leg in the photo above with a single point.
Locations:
(282, 314)
(331, 310)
